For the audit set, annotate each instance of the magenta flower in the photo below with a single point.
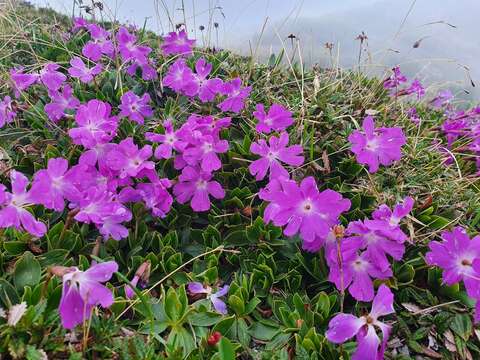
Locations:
(207, 88)
(344, 326)
(22, 81)
(377, 146)
(168, 141)
(198, 186)
(95, 124)
(134, 107)
(177, 43)
(456, 255)
(100, 43)
(272, 154)
(219, 305)
(416, 88)
(13, 212)
(83, 290)
(443, 98)
(204, 152)
(413, 115)
(6, 111)
(156, 197)
(51, 78)
(278, 118)
(180, 78)
(129, 292)
(52, 185)
(79, 70)
(304, 209)
(79, 23)
(236, 95)
(128, 159)
(61, 101)
(356, 270)
(111, 224)
(129, 50)
(395, 79)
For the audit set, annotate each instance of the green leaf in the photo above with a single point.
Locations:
(225, 349)
(204, 318)
(8, 294)
(27, 271)
(462, 326)
(237, 304)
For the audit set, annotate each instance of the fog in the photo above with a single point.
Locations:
(446, 31)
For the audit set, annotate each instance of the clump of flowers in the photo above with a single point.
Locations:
(375, 146)
(362, 255)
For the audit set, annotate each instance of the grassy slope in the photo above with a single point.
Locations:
(328, 104)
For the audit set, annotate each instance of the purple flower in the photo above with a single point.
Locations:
(416, 88)
(177, 43)
(236, 95)
(412, 114)
(395, 79)
(82, 72)
(344, 326)
(382, 236)
(51, 78)
(134, 107)
(129, 50)
(278, 118)
(456, 255)
(377, 146)
(6, 111)
(79, 23)
(304, 209)
(207, 88)
(21, 81)
(52, 185)
(204, 152)
(219, 305)
(83, 290)
(13, 212)
(443, 98)
(197, 185)
(128, 159)
(355, 271)
(180, 78)
(99, 44)
(61, 101)
(277, 150)
(95, 124)
(168, 141)
(111, 224)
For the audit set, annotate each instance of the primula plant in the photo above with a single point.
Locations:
(160, 200)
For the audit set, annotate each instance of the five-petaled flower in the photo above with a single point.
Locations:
(376, 146)
(344, 326)
(218, 304)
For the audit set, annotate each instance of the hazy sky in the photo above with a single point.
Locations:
(449, 29)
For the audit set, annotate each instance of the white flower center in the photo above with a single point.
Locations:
(372, 145)
(201, 184)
